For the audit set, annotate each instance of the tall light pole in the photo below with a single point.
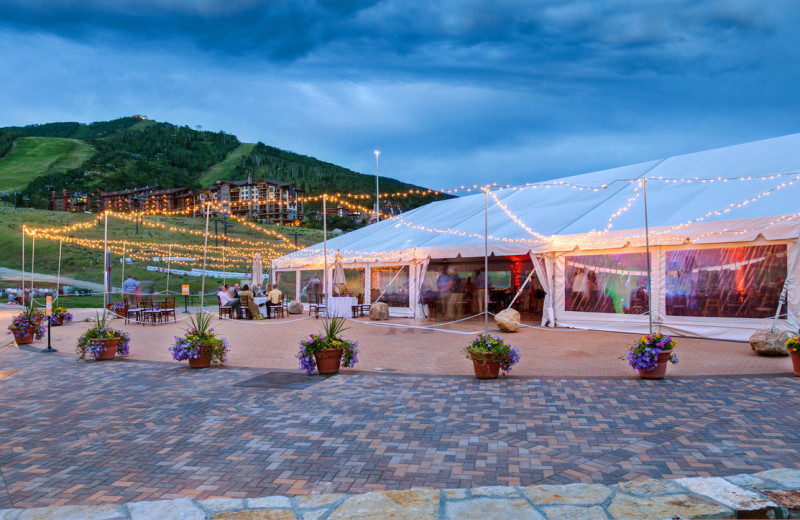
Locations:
(377, 189)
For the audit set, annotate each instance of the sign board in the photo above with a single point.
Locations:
(185, 289)
(48, 309)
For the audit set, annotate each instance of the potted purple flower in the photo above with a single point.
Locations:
(102, 342)
(328, 351)
(200, 345)
(27, 325)
(119, 308)
(59, 316)
(651, 354)
(489, 355)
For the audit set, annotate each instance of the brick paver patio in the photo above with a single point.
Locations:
(86, 432)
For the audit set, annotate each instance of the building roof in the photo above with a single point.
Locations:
(730, 194)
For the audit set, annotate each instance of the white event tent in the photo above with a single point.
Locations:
(723, 238)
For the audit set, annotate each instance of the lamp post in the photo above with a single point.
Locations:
(377, 189)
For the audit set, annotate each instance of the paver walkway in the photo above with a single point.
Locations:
(570, 353)
(87, 432)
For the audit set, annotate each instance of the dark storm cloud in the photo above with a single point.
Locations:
(476, 89)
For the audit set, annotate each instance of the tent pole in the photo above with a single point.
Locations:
(33, 255)
(205, 250)
(649, 273)
(22, 296)
(105, 263)
(58, 277)
(325, 243)
(782, 299)
(169, 259)
(486, 261)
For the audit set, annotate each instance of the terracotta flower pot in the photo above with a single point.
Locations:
(203, 360)
(57, 320)
(24, 336)
(484, 367)
(661, 367)
(328, 360)
(110, 346)
(795, 362)
(122, 313)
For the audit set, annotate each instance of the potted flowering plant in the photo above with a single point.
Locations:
(650, 355)
(489, 355)
(119, 308)
(27, 325)
(58, 316)
(328, 351)
(200, 345)
(103, 342)
(793, 346)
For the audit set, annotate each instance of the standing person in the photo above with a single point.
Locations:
(480, 291)
(444, 284)
(273, 299)
(454, 303)
(129, 287)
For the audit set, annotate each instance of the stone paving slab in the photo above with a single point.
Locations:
(680, 498)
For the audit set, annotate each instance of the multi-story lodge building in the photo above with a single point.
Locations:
(70, 201)
(264, 200)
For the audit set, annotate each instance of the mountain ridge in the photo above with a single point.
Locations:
(133, 152)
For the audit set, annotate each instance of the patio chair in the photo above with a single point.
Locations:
(223, 311)
(167, 309)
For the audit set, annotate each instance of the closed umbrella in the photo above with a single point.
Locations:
(258, 276)
(339, 281)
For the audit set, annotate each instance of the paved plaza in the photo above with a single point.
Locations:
(147, 428)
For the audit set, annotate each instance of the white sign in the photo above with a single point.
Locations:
(173, 259)
(199, 272)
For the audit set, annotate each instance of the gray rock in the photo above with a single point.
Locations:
(789, 478)
(409, 503)
(743, 501)
(667, 506)
(104, 512)
(269, 502)
(295, 307)
(483, 508)
(507, 320)
(220, 505)
(575, 513)
(569, 494)
(768, 343)
(379, 311)
(181, 509)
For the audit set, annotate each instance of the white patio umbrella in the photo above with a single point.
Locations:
(258, 276)
(339, 281)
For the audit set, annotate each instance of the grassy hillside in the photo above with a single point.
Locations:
(224, 169)
(31, 157)
(134, 152)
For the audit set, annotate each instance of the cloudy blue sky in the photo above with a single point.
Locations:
(451, 92)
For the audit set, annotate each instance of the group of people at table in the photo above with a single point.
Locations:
(236, 299)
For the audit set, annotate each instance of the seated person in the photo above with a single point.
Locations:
(273, 299)
(225, 300)
(246, 300)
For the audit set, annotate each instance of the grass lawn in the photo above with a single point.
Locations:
(31, 157)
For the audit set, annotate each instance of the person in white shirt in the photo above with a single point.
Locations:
(273, 299)
(225, 300)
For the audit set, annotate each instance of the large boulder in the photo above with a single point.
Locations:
(295, 307)
(379, 311)
(507, 320)
(768, 343)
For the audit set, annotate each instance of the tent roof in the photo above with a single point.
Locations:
(729, 194)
